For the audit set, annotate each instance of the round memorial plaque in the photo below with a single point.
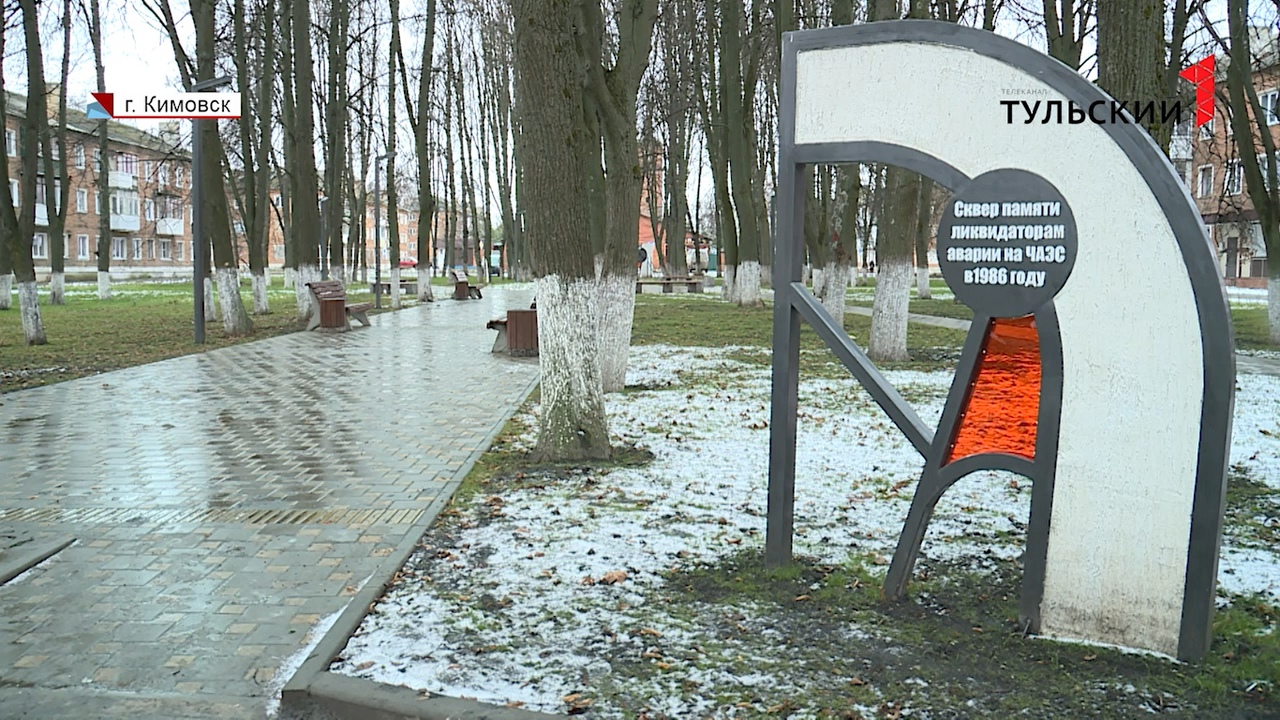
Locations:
(1006, 243)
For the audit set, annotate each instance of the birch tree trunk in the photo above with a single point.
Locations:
(554, 152)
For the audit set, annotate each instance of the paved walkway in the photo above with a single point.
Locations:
(1253, 364)
(224, 503)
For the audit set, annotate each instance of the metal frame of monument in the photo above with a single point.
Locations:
(794, 303)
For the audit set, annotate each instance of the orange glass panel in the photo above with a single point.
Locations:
(1004, 404)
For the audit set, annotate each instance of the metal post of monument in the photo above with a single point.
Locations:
(377, 231)
(197, 222)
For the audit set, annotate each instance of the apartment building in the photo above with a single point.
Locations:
(149, 205)
(1216, 175)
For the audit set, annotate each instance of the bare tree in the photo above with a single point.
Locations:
(35, 133)
(554, 153)
(57, 193)
(104, 165)
(306, 212)
(393, 201)
(894, 244)
(1256, 146)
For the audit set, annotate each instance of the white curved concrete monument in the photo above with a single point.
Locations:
(1136, 360)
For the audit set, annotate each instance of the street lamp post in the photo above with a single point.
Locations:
(197, 221)
(377, 231)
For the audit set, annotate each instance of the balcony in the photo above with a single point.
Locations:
(170, 226)
(122, 180)
(125, 223)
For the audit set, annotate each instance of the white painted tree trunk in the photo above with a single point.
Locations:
(303, 275)
(58, 288)
(395, 288)
(424, 287)
(6, 291)
(617, 309)
(922, 284)
(235, 320)
(29, 307)
(599, 260)
(816, 277)
(806, 274)
(210, 309)
(339, 273)
(572, 416)
(289, 276)
(726, 288)
(746, 284)
(1273, 307)
(261, 302)
(889, 312)
(104, 285)
(836, 281)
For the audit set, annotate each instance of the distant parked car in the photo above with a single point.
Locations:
(408, 262)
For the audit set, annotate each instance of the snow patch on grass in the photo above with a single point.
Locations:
(553, 595)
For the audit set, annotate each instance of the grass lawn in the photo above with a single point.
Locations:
(142, 323)
(701, 321)
(1250, 321)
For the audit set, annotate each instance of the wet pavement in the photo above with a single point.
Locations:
(224, 503)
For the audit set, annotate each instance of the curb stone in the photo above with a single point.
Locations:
(314, 693)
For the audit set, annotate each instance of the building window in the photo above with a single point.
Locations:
(162, 174)
(164, 250)
(146, 170)
(82, 247)
(127, 163)
(82, 200)
(97, 157)
(14, 192)
(124, 202)
(151, 249)
(66, 246)
(1232, 183)
(40, 246)
(179, 175)
(182, 244)
(117, 248)
(11, 143)
(79, 156)
(1206, 130)
(1204, 181)
(150, 206)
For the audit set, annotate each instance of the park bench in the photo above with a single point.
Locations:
(517, 332)
(329, 308)
(462, 288)
(674, 284)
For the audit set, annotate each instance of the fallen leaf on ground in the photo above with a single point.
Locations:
(613, 578)
(650, 631)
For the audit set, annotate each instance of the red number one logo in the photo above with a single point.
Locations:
(1201, 75)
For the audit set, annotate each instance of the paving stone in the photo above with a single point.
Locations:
(221, 485)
